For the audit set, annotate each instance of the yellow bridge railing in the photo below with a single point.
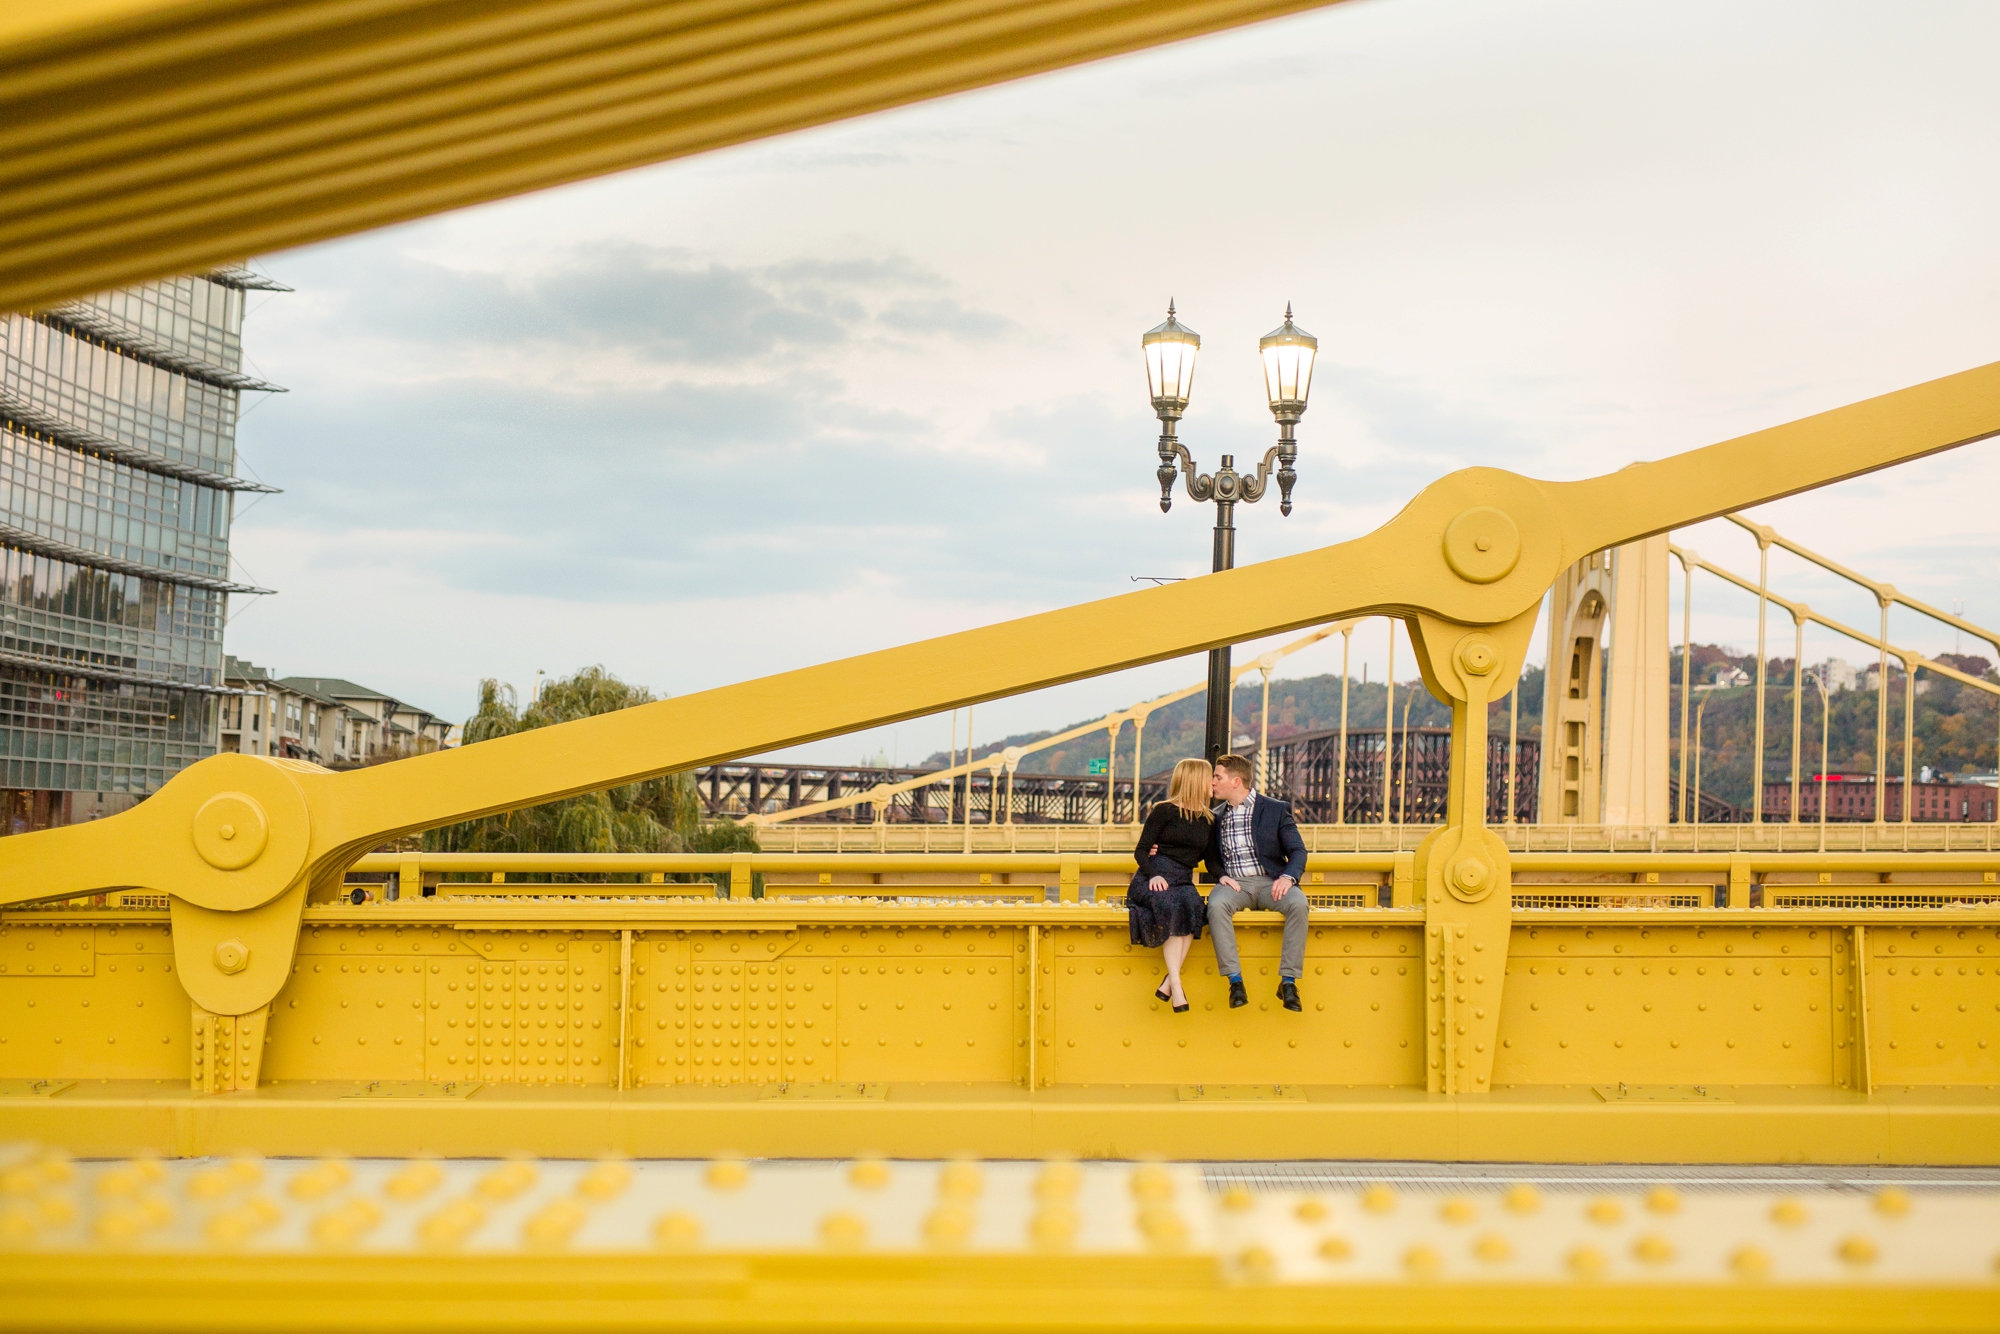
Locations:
(1542, 879)
(1708, 838)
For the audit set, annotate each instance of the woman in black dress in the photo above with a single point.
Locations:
(1166, 909)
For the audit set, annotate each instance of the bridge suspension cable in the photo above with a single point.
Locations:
(1801, 614)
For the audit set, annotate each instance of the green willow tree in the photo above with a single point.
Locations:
(657, 815)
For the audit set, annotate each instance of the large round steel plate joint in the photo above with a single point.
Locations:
(1482, 545)
(230, 830)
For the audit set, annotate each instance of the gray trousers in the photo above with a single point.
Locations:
(1223, 905)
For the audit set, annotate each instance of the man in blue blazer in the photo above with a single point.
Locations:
(1259, 858)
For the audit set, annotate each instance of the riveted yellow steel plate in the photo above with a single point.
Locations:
(532, 1020)
(379, 940)
(1100, 1023)
(1641, 1004)
(56, 949)
(1659, 1093)
(1240, 1093)
(828, 1092)
(416, 1088)
(518, 946)
(115, 1011)
(1934, 1004)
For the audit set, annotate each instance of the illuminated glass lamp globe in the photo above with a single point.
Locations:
(1288, 370)
(1170, 350)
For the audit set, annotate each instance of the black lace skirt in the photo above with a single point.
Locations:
(1177, 910)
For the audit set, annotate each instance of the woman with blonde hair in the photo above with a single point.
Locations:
(1165, 908)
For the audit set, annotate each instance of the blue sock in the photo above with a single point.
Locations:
(1236, 977)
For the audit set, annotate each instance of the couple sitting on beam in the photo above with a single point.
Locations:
(1251, 846)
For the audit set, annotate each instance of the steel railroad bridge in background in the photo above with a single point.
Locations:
(1302, 769)
(732, 791)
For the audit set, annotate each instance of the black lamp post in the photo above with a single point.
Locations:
(1288, 353)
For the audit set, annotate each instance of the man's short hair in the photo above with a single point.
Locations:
(1239, 766)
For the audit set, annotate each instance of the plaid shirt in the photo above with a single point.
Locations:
(1239, 849)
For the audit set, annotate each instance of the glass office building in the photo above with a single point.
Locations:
(117, 487)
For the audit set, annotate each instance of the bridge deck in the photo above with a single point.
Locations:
(926, 1244)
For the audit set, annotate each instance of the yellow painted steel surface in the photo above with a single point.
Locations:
(950, 1004)
(333, 1243)
(141, 138)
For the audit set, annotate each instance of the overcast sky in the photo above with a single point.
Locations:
(881, 380)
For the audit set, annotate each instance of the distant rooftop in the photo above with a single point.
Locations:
(241, 669)
(322, 689)
(338, 688)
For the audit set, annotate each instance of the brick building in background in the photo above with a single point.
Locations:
(1851, 797)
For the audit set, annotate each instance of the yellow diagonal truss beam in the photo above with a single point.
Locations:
(881, 793)
(140, 138)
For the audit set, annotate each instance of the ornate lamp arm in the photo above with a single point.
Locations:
(1284, 453)
(1200, 485)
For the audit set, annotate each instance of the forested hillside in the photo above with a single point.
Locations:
(1304, 704)
(1956, 725)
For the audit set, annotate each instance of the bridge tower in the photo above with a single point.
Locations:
(1606, 695)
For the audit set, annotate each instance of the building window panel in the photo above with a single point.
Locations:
(59, 730)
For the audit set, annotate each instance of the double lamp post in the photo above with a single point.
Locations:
(1288, 353)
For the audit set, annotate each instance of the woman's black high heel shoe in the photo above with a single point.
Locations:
(1182, 1008)
(1164, 994)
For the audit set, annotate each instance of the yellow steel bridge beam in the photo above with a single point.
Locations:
(883, 792)
(1642, 1021)
(140, 138)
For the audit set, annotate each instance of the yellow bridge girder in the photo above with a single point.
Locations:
(144, 138)
(1840, 1007)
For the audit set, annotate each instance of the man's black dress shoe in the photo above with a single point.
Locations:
(1288, 992)
(1238, 997)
